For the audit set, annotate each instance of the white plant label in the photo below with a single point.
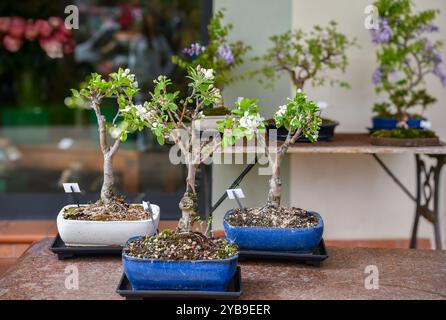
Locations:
(71, 187)
(146, 206)
(235, 192)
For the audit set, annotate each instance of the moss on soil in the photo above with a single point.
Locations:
(405, 134)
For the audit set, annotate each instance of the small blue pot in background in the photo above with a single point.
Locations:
(302, 240)
(380, 123)
(200, 275)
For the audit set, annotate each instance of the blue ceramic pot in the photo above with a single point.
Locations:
(303, 240)
(199, 275)
(380, 123)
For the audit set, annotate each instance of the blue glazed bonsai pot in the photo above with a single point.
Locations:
(302, 240)
(380, 123)
(199, 275)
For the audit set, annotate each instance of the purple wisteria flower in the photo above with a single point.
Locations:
(377, 76)
(383, 33)
(435, 57)
(225, 53)
(194, 50)
(430, 28)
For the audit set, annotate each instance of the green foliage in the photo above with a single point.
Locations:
(405, 134)
(166, 111)
(210, 58)
(305, 56)
(122, 87)
(300, 114)
(406, 58)
(244, 121)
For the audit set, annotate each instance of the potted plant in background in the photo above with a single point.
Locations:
(273, 227)
(406, 56)
(109, 221)
(185, 259)
(306, 57)
(222, 56)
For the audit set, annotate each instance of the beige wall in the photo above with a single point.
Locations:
(356, 198)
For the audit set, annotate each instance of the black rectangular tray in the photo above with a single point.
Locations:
(64, 252)
(313, 259)
(233, 291)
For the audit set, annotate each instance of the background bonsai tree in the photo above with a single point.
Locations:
(300, 117)
(123, 87)
(305, 57)
(405, 57)
(219, 54)
(176, 118)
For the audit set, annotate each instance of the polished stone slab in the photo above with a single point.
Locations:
(403, 274)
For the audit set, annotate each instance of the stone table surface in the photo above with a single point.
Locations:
(403, 274)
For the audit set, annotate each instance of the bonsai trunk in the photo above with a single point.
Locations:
(275, 183)
(188, 204)
(107, 191)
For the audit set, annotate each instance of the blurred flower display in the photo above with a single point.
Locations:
(51, 35)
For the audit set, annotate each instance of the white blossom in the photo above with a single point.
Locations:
(207, 73)
(322, 105)
(281, 111)
(251, 122)
(425, 124)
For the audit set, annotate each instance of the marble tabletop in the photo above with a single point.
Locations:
(349, 273)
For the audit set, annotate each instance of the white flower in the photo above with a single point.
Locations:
(251, 122)
(135, 84)
(425, 124)
(127, 72)
(115, 132)
(207, 73)
(322, 105)
(281, 111)
(299, 90)
(239, 99)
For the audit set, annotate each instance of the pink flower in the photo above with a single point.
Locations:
(5, 23)
(17, 27)
(44, 28)
(12, 44)
(52, 47)
(55, 22)
(31, 31)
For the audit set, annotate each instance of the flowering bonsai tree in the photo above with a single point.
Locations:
(305, 56)
(175, 118)
(405, 57)
(219, 54)
(123, 87)
(300, 117)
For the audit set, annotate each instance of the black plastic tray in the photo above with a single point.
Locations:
(64, 252)
(233, 291)
(313, 259)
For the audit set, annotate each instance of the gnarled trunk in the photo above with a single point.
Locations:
(189, 204)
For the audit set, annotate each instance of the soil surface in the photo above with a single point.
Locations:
(272, 217)
(169, 245)
(117, 210)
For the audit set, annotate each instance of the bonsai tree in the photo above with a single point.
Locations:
(219, 54)
(405, 57)
(123, 87)
(300, 117)
(305, 56)
(175, 119)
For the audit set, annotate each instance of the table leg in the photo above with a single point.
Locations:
(428, 197)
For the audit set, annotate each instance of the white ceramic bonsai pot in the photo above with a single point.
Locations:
(104, 233)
